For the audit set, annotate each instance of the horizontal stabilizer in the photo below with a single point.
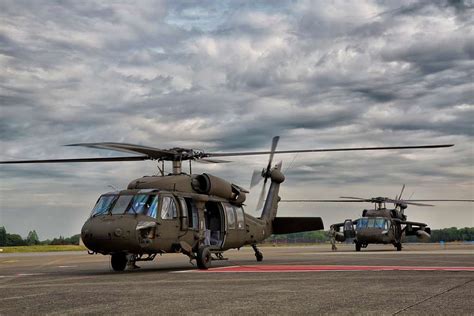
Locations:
(288, 225)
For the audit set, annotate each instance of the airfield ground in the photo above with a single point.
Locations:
(290, 280)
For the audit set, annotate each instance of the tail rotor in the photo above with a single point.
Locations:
(265, 173)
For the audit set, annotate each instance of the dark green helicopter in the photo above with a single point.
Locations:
(380, 225)
(199, 215)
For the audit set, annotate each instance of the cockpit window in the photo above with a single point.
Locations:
(121, 204)
(103, 205)
(145, 204)
(377, 222)
(168, 208)
(371, 222)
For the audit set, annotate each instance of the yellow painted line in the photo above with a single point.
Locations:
(9, 261)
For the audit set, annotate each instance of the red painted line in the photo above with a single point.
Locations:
(314, 268)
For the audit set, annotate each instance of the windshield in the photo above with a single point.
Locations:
(377, 222)
(103, 205)
(145, 204)
(122, 203)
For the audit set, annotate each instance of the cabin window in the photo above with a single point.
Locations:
(230, 216)
(240, 217)
(168, 208)
(122, 203)
(183, 215)
(103, 205)
(184, 207)
(192, 213)
(145, 204)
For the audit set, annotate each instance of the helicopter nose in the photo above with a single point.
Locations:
(370, 235)
(108, 234)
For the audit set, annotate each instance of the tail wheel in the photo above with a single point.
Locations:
(118, 261)
(204, 258)
(259, 256)
(358, 246)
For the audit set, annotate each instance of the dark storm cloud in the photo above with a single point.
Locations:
(227, 76)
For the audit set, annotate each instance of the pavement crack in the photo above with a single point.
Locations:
(432, 296)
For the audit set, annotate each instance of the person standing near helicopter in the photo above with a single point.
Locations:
(332, 235)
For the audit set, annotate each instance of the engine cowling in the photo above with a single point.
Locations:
(423, 235)
(208, 184)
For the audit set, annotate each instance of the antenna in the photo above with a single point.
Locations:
(113, 188)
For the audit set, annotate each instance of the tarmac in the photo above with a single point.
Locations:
(427, 279)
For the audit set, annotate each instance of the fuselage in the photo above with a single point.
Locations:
(158, 221)
(375, 230)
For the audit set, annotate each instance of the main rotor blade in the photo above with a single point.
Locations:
(397, 202)
(153, 153)
(387, 200)
(355, 198)
(445, 200)
(206, 160)
(316, 201)
(99, 159)
(251, 153)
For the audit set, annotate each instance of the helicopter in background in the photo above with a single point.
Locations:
(198, 215)
(380, 225)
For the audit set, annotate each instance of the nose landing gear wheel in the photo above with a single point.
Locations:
(118, 261)
(203, 258)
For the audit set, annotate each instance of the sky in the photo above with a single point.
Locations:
(228, 76)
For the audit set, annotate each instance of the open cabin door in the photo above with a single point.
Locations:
(214, 233)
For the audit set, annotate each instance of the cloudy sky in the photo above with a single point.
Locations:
(227, 76)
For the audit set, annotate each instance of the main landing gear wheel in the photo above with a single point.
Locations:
(358, 246)
(399, 246)
(204, 258)
(118, 261)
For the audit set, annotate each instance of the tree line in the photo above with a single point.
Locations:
(7, 239)
(437, 235)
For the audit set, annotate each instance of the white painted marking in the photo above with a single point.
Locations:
(28, 274)
(21, 297)
(67, 266)
(195, 269)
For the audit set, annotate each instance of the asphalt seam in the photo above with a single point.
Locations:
(433, 296)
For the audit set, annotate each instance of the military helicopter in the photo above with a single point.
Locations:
(380, 225)
(198, 215)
